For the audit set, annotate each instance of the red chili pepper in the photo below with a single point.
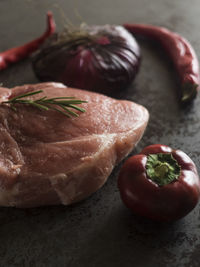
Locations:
(16, 54)
(160, 183)
(179, 51)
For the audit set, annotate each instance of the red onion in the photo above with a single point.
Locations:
(98, 58)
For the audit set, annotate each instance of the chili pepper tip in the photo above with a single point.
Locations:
(51, 22)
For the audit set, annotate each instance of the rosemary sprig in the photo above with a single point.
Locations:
(60, 104)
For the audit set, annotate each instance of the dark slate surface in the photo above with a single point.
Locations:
(100, 231)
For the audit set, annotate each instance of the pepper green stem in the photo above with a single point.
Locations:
(189, 92)
(162, 168)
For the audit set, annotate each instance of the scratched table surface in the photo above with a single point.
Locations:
(100, 231)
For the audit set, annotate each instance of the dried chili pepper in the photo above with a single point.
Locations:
(181, 54)
(160, 183)
(16, 54)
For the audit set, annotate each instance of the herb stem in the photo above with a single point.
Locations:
(63, 104)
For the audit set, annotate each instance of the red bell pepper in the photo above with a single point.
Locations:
(160, 183)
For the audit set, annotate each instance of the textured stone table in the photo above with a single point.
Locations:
(100, 231)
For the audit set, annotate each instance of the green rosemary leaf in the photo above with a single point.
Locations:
(13, 108)
(70, 111)
(62, 97)
(66, 102)
(64, 113)
(77, 108)
(39, 106)
(23, 95)
(41, 99)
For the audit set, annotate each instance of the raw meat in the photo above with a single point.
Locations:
(48, 159)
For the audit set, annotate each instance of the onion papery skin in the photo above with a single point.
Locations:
(95, 58)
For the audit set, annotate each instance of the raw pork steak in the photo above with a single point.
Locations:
(47, 158)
